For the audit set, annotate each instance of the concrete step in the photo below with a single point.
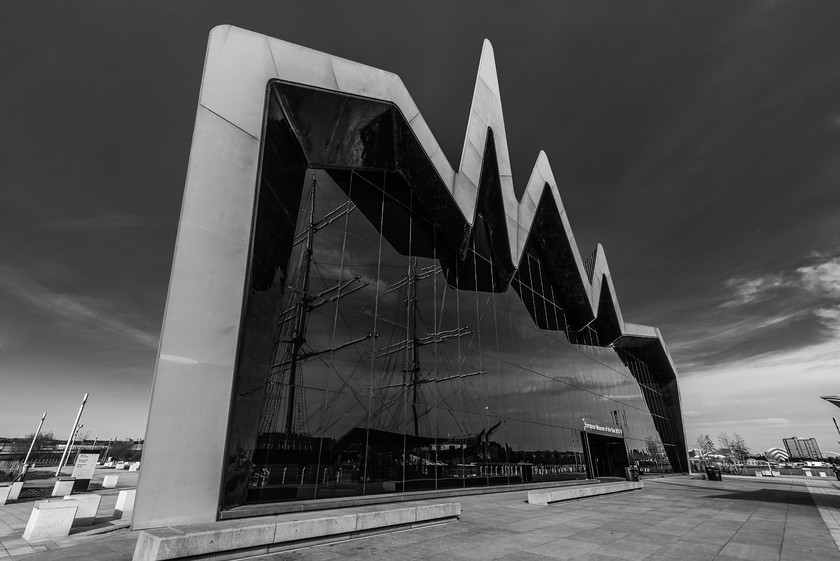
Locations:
(230, 539)
(546, 496)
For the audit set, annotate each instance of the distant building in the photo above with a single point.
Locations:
(802, 448)
(776, 455)
(49, 452)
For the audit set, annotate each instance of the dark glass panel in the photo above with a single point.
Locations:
(417, 366)
(278, 203)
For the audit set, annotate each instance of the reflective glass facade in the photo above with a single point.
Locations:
(386, 347)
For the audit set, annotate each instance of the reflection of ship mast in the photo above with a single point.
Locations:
(412, 379)
(285, 373)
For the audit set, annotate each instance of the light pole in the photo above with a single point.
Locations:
(66, 453)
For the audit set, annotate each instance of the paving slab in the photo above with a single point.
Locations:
(671, 518)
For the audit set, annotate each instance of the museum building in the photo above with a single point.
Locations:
(350, 316)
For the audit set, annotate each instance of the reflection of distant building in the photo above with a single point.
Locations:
(802, 448)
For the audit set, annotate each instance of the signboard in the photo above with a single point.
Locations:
(85, 464)
(606, 430)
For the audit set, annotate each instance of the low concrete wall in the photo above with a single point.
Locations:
(781, 472)
(544, 497)
(268, 534)
(387, 499)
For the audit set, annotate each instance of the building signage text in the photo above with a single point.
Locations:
(602, 429)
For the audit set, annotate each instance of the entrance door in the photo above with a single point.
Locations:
(607, 455)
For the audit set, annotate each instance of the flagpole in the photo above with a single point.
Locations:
(66, 453)
(37, 432)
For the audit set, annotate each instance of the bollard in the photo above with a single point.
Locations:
(50, 519)
(125, 504)
(63, 487)
(17, 487)
(5, 491)
(88, 506)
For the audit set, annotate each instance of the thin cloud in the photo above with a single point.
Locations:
(822, 278)
(830, 318)
(734, 421)
(818, 279)
(763, 314)
(740, 328)
(751, 290)
(798, 377)
(72, 308)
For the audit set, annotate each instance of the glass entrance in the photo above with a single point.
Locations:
(607, 455)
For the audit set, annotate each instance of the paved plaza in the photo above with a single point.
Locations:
(14, 516)
(675, 518)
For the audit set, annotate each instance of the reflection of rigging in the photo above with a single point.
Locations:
(284, 418)
(412, 379)
(386, 363)
(285, 371)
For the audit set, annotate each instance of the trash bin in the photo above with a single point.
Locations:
(631, 473)
(713, 473)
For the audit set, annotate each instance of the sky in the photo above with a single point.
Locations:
(699, 142)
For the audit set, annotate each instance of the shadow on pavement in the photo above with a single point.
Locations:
(771, 496)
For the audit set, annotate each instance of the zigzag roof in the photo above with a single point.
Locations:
(539, 207)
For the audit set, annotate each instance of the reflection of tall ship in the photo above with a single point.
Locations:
(393, 443)
(392, 447)
(285, 450)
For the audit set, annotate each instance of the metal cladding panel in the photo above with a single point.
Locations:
(188, 414)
